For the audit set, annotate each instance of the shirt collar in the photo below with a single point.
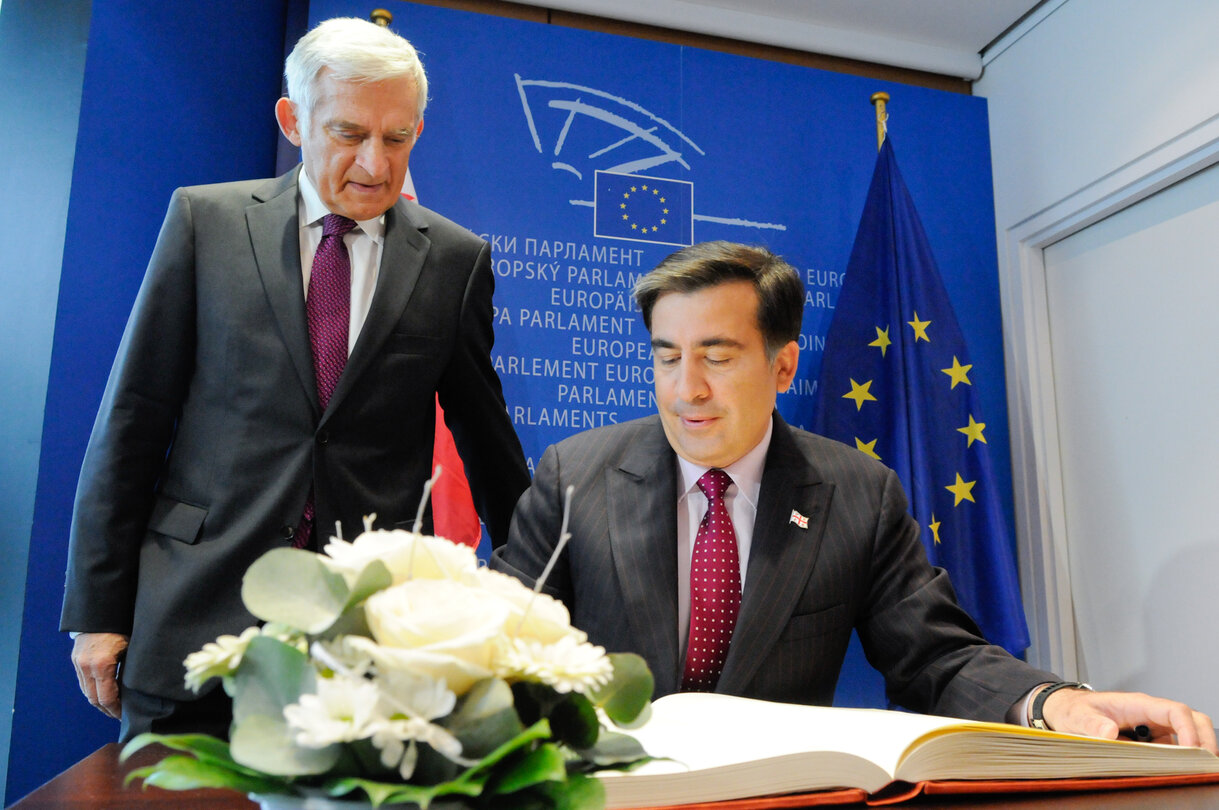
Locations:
(745, 472)
(315, 209)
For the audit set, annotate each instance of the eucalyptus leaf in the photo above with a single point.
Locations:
(484, 718)
(574, 721)
(265, 743)
(271, 676)
(613, 750)
(625, 699)
(292, 586)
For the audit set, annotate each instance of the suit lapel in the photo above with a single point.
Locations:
(274, 236)
(642, 498)
(781, 556)
(402, 258)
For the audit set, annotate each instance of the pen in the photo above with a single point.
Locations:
(1140, 733)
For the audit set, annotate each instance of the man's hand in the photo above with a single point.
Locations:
(1106, 714)
(96, 657)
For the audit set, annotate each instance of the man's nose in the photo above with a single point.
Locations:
(372, 158)
(692, 383)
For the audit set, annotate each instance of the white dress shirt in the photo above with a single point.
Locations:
(741, 501)
(364, 244)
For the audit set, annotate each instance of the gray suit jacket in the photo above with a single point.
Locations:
(859, 564)
(210, 436)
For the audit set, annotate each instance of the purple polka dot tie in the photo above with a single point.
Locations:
(328, 308)
(715, 588)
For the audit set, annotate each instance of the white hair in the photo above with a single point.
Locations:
(352, 50)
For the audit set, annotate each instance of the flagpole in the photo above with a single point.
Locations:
(381, 17)
(882, 118)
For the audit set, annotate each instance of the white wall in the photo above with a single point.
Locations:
(1095, 106)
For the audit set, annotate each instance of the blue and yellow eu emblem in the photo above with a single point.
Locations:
(644, 209)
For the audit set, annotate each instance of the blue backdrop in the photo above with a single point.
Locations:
(523, 116)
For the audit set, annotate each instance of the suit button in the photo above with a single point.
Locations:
(288, 533)
(323, 437)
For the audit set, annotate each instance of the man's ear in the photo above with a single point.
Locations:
(785, 365)
(285, 114)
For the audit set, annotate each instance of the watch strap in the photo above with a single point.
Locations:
(1036, 718)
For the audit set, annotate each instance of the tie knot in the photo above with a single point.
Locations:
(713, 483)
(335, 225)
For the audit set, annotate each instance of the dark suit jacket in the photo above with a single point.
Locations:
(210, 436)
(859, 564)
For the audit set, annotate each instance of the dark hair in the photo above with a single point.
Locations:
(780, 293)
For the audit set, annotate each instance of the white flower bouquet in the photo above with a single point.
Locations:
(396, 667)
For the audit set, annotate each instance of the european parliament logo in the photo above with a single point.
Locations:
(644, 209)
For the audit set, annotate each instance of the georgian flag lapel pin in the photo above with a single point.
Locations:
(799, 519)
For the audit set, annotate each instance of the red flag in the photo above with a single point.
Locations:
(453, 513)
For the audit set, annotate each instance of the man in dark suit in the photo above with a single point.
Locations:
(246, 410)
(819, 541)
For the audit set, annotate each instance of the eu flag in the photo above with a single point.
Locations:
(897, 383)
(644, 209)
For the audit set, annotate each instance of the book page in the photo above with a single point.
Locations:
(728, 747)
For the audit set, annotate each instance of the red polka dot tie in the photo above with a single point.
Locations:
(328, 305)
(328, 308)
(715, 588)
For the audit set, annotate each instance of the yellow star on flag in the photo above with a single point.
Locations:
(961, 490)
(920, 328)
(882, 341)
(974, 431)
(868, 448)
(860, 394)
(957, 372)
(934, 525)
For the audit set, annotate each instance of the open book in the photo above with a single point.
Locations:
(722, 747)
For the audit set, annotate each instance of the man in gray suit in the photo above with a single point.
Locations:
(823, 539)
(236, 420)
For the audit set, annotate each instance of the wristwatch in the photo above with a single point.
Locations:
(1036, 719)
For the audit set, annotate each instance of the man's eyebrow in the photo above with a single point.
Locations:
(661, 343)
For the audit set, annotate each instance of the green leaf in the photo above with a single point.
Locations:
(578, 792)
(373, 578)
(314, 601)
(626, 697)
(543, 764)
(613, 750)
(380, 793)
(484, 718)
(265, 743)
(271, 676)
(181, 772)
(203, 747)
(574, 721)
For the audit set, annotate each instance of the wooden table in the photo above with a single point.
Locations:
(96, 783)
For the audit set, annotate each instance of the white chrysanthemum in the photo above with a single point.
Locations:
(287, 634)
(396, 741)
(410, 701)
(415, 695)
(217, 658)
(343, 709)
(568, 665)
(407, 556)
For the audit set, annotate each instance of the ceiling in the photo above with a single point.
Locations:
(940, 36)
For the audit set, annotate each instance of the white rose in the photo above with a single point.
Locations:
(407, 556)
(545, 618)
(436, 627)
